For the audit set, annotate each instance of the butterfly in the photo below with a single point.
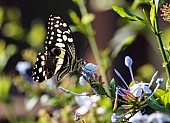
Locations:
(59, 57)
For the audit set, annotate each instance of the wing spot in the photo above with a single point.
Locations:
(57, 22)
(40, 70)
(52, 33)
(59, 40)
(49, 42)
(44, 73)
(58, 35)
(59, 31)
(60, 44)
(64, 24)
(58, 17)
(56, 25)
(43, 57)
(51, 37)
(70, 39)
(64, 37)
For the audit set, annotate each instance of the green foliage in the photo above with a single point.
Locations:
(112, 87)
(5, 84)
(153, 103)
(164, 97)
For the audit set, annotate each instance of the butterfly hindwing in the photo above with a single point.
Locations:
(59, 57)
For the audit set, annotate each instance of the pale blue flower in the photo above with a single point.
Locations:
(86, 103)
(23, 66)
(89, 68)
(128, 63)
(82, 81)
(88, 72)
(115, 118)
(158, 118)
(138, 118)
(138, 89)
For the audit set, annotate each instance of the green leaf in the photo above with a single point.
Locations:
(154, 104)
(159, 93)
(153, 15)
(127, 15)
(99, 89)
(166, 99)
(88, 18)
(112, 87)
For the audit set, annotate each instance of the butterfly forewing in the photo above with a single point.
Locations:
(59, 57)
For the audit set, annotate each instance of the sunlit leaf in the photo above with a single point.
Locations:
(152, 15)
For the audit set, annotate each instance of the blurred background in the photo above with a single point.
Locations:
(23, 27)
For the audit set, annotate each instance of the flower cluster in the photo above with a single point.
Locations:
(166, 12)
(133, 96)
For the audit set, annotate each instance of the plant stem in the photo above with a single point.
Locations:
(93, 44)
(161, 47)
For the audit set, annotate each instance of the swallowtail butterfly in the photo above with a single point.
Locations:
(59, 57)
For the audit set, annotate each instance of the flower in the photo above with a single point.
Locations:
(158, 118)
(138, 118)
(139, 88)
(166, 12)
(88, 72)
(115, 118)
(132, 98)
(22, 67)
(128, 63)
(82, 81)
(85, 103)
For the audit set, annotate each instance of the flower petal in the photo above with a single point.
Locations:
(128, 61)
(82, 81)
(147, 90)
(82, 110)
(136, 90)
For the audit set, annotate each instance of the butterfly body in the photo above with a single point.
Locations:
(59, 57)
